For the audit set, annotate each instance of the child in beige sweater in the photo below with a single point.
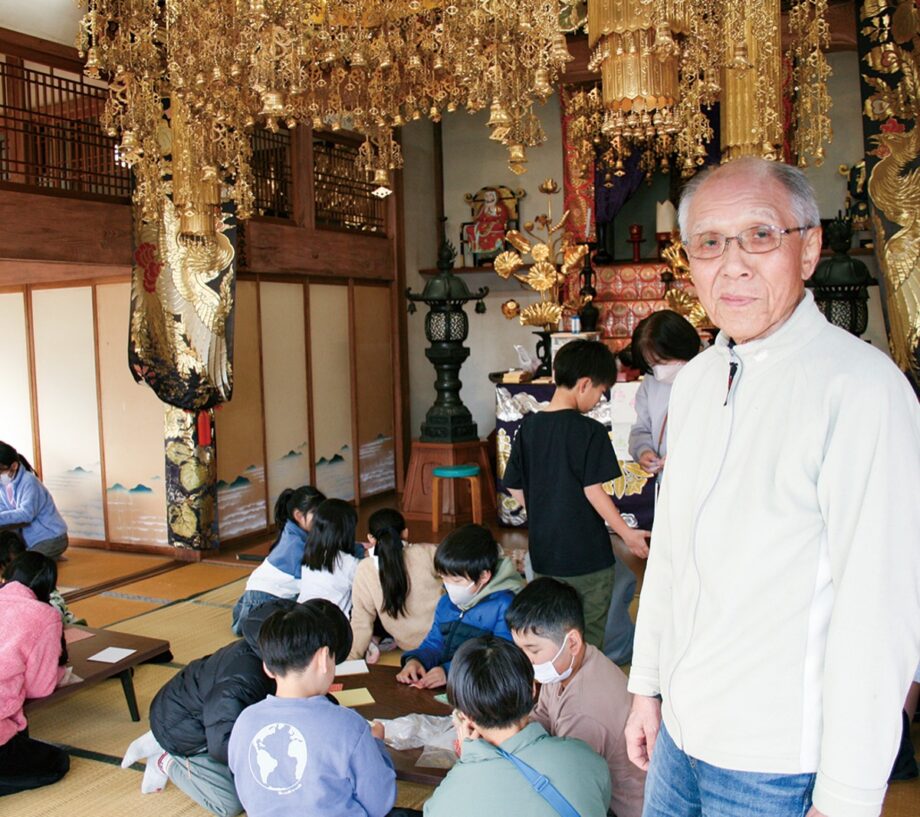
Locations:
(397, 583)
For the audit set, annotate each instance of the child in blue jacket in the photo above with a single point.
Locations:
(480, 587)
(278, 577)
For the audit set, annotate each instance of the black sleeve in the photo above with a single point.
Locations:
(514, 470)
(600, 459)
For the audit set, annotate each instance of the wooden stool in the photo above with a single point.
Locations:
(467, 472)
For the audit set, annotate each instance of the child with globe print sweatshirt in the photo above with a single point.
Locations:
(296, 752)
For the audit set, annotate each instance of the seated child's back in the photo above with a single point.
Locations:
(480, 586)
(278, 576)
(329, 560)
(398, 584)
(491, 689)
(296, 752)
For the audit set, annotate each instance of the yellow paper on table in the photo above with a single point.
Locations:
(354, 697)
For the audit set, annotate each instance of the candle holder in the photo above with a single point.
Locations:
(664, 241)
(635, 238)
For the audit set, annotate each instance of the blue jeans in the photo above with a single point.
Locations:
(247, 603)
(682, 786)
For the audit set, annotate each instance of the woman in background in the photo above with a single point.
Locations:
(27, 505)
(32, 659)
(398, 584)
(661, 345)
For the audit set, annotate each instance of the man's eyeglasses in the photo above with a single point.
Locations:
(759, 239)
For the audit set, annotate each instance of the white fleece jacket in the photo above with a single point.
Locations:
(780, 615)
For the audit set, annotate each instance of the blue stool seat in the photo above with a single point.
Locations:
(455, 471)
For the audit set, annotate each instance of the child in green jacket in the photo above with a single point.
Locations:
(491, 688)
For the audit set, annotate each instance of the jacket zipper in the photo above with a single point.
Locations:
(735, 368)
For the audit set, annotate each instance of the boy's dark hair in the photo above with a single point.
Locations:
(548, 608)
(386, 526)
(288, 639)
(36, 571)
(467, 551)
(11, 546)
(584, 358)
(664, 335)
(303, 499)
(334, 522)
(491, 682)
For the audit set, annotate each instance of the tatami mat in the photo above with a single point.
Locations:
(102, 610)
(192, 629)
(95, 789)
(86, 567)
(227, 595)
(189, 580)
(412, 795)
(97, 719)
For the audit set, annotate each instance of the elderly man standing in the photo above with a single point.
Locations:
(779, 625)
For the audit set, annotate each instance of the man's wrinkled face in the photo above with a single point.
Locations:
(749, 296)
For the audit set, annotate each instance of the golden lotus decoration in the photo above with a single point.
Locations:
(506, 263)
(554, 259)
(225, 67)
(543, 313)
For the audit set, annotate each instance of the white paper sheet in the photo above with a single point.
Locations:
(111, 655)
(356, 667)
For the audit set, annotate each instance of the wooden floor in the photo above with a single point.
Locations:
(188, 603)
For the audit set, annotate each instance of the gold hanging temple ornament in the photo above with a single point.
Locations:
(227, 66)
(663, 63)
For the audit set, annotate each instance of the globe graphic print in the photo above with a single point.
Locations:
(278, 757)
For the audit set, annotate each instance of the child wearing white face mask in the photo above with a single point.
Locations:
(583, 694)
(480, 586)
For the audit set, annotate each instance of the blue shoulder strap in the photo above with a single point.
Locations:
(542, 786)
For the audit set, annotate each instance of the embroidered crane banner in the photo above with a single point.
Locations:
(182, 300)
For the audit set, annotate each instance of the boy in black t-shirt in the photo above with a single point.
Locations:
(559, 461)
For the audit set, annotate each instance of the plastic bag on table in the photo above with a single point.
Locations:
(414, 731)
(435, 735)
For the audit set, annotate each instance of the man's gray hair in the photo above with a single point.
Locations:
(801, 193)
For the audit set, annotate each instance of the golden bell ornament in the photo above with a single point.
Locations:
(272, 104)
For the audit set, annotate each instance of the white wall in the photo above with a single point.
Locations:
(471, 161)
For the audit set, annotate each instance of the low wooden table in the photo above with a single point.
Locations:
(393, 700)
(93, 672)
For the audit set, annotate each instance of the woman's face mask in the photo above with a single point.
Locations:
(666, 372)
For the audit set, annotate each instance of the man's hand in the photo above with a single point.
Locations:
(813, 812)
(377, 730)
(650, 462)
(434, 678)
(411, 673)
(642, 727)
(637, 542)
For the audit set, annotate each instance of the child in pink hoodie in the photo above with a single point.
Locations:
(32, 659)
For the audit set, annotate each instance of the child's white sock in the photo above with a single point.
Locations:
(156, 775)
(145, 746)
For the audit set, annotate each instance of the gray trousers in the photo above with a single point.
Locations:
(207, 782)
(620, 630)
(52, 548)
